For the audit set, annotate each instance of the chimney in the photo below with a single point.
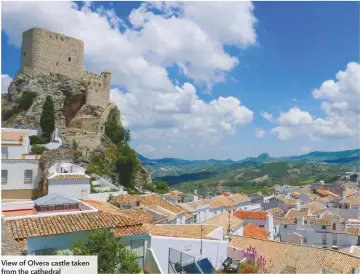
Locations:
(298, 205)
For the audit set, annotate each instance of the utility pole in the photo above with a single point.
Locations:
(201, 243)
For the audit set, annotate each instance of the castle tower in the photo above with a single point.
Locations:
(44, 51)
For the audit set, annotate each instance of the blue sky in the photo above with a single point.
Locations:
(190, 89)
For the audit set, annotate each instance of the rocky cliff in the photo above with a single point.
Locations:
(75, 120)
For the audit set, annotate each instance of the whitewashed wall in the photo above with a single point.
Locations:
(214, 250)
(78, 188)
(16, 174)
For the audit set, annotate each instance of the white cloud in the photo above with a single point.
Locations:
(340, 104)
(305, 149)
(260, 133)
(161, 35)
(295, 117)
(267, 116)
(5, 82)
(284, 133)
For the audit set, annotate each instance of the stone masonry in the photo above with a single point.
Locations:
(44, 51)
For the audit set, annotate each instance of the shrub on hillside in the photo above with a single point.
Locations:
(36, 149)
(26, 100)
(36, 140)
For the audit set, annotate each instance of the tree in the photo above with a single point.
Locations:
(113, 256)
(353, 177)
(47, 119)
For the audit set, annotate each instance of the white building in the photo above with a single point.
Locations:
(20, 173)
(189, 198)
(200, 210)
(243, 202)
(328, 230)
(169, 243)
(67, 179)
(66, 220)
(262, 219)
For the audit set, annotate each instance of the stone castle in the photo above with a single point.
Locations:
(47, 52)
(44, 51)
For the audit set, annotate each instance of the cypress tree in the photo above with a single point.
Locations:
(47, 119)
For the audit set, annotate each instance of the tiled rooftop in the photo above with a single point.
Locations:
(68, 176)
(239, 198)
(243, 214)
(304, 259)
(12, 135)
(149, 200)
(354, 201)
(163, 211)
(314, 207)
(60, 224)
(182, 231)
(276, 211)
(221, 201)
(8, 245)
(254, 231)
(223, 220)
(187, 207)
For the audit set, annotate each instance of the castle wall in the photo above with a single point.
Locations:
(98, 88)
(44, 51)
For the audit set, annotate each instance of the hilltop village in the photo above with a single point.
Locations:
(304, 229)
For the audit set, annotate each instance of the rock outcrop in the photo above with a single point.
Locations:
(76, 121)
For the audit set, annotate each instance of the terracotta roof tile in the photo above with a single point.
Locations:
(69, 176)
(221, 201)
(163, 211)
(354, 201)
(276, 211)
(12, 135)
(144, 215)
(239, 198)
(243, 214)
(314, 207)
(223, 220)
(149, 200)
(254, 231)
(60, 224)
(182, 231)
(305, 259)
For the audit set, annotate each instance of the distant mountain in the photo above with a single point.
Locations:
(175, 167)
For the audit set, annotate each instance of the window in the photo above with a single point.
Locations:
(57, 63)
(4, 176)
(285, 226)
(334, 226)
(323, 227)
(346, 207)
(69, 59)
(261, 226)
(305, 239)
(4, 152)
(305, 222)
(28, 176)
(195, 218)
(24, 53)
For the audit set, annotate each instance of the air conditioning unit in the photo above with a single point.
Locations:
(335, 247)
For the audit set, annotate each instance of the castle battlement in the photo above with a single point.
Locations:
(44, 51)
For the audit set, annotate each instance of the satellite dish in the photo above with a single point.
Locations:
(178, 268)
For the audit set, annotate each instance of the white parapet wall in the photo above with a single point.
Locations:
(24, 205)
